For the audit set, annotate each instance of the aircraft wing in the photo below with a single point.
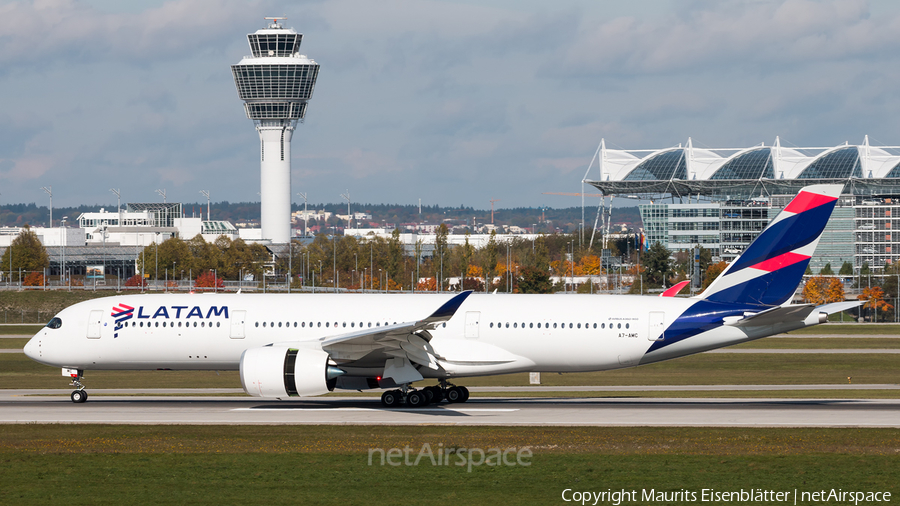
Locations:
(401, 340)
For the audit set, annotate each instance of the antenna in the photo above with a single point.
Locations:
(162, 193)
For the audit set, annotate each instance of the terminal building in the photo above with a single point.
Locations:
(721, 199)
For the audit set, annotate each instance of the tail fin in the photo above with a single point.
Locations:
(770, 269)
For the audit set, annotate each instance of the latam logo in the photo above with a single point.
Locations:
(121, 313)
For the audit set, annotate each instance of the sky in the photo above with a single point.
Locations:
(452, 102)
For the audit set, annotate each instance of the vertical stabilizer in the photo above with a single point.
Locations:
(770, 269)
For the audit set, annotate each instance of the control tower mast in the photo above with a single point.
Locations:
(275, 82)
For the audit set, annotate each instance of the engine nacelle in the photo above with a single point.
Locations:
(280, 371)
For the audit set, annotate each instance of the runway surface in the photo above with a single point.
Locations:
(20, 407)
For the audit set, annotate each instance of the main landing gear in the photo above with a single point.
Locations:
(428, 395)
(80, 395)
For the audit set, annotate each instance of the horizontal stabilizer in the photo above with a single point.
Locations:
(671, 292)
(775, 315)
(837, 307)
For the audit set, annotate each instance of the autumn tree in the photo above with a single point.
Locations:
(26, 253)
(713, 272)
(874, 299)
(820, 290)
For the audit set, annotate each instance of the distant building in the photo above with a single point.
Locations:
(722, 199)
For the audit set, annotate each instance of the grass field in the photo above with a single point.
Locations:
(94, 464)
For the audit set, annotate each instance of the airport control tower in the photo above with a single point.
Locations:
(275, 83)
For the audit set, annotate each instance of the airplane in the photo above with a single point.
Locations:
(295, 345)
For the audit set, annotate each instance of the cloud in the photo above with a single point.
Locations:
(33, 33)
(732, 34)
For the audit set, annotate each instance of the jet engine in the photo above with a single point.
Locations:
(280, 371)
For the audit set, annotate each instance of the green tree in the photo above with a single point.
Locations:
(657, 265)
(26, 253)
(205, 256)
(846, 269)
(489, 256)
(826, 271)
(534, 280)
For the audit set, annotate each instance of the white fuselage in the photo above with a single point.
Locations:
(489, 334)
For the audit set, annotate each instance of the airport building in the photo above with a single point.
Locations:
(721, 199)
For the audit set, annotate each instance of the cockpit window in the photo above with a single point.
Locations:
(54, 323)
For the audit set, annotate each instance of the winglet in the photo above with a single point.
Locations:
(671, 292)
(449, 308)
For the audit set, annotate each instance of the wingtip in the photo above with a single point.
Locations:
(449, 308)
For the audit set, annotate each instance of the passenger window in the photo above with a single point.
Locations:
(344, 325)
(492, 324)
(142, 324)
(295, 324)
(264, 324)
(279, 324)
(157, 324)
(515, 325)
(327, 323)
(570, 325)
(257, 324)
(319, 324)
(195, 324)
(595, 325)
(352, 324)
(619, 325)
(507, 324)
(554, 325)
(218, 324)
(579, 325)
(445, 324)
(626, 325)
(539, 324)
(54, 323)
(602, 325)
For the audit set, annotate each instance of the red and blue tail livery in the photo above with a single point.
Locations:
(770, 269)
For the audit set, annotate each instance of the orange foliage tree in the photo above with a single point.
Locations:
(34, 279)
(590, 265)
(208, 280)
(874, 298)
(135, 280)
(822, 290)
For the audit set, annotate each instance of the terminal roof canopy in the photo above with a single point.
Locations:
(744, 172)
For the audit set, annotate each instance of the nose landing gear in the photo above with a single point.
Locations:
(80, 395)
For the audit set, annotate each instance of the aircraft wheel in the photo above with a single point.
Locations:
(390, 399)
(428, 393)
(438, 394)
(79, 396)
(465, 392)
(454, 394)
(416, 399)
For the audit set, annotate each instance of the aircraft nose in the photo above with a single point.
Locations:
(32, 348)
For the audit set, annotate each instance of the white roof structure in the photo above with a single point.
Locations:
(776, 169)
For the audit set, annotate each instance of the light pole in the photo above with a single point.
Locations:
(205, 193)
(305, 215)
(49, 190)
(334, 256)
(156, 269)
(162, 193)
(346, 196)
(62, 226)
(118, 204)
(532, 237)
(356, 262)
